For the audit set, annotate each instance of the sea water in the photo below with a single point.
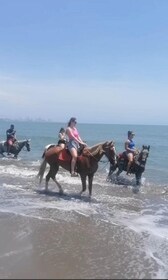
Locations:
(116, 234)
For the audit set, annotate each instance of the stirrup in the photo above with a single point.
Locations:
(74, 174)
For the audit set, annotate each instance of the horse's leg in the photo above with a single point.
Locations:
(3, 154)
(2, 150)
(138, 176)
(83, 179)
(14, 151)
(111, 171)
(116, 175)
(53, 171)
(48, 176)
(138, 182)
(47, 179)
(58, 185)
(118, 172)
(90, 179)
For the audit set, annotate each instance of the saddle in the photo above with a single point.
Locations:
(123, 156)
(65, 155)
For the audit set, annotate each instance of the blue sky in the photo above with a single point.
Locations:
(102, 61)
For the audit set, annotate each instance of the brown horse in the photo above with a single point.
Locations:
(86, 166)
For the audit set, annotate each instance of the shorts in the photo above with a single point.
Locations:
(73, 144)
(10, 142)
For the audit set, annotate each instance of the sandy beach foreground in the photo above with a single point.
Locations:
(39, 248)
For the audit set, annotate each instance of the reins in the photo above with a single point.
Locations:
(92, 155)
(22, 146)
(102, 161)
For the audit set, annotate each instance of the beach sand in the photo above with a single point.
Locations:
(42, 249)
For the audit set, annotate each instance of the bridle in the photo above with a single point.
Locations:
(104, 153)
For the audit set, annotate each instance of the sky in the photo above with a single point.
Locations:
(101, 61)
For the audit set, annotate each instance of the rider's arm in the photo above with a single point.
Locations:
(83, 143)
(127, 147)
(10, 133)
(71, 135)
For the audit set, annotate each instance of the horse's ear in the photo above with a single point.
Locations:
(143, 146)
(148, 147)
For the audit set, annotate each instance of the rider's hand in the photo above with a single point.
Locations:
(84, 144)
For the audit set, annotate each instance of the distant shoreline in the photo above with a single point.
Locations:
(38, 120)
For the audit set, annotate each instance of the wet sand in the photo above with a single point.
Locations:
(42, 249)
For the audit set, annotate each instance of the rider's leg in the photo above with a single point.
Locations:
(130, 160)
(73, 161)
(8, 146)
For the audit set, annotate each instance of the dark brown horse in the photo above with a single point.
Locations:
(137, 167)
(87, 163)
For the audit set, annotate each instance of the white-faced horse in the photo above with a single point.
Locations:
(16, 148)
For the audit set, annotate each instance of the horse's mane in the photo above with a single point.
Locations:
(92, 150)
(22, 140)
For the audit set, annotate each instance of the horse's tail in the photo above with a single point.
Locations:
(42, 170)
(43, 154)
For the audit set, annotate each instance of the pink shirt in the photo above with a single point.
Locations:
(73, 132)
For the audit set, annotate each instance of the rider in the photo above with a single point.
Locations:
(74, 143)
(10, 137)
(130, 149)
(62, 138)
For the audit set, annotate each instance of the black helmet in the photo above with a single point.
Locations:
(130, 132)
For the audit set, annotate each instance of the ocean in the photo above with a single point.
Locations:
(116, 235)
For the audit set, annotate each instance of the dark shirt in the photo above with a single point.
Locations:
(10, 133)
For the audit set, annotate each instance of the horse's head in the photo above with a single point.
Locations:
(110, 151)
(27, 145)
(142, 157)
(144, 153)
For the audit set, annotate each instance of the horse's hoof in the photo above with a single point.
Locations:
(61, 192)
(46, 191)
(135, 189)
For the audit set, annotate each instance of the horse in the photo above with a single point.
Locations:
(15, 148)
(86, 166)
(137, 167)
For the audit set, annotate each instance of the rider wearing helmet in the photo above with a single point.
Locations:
(10, 137)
